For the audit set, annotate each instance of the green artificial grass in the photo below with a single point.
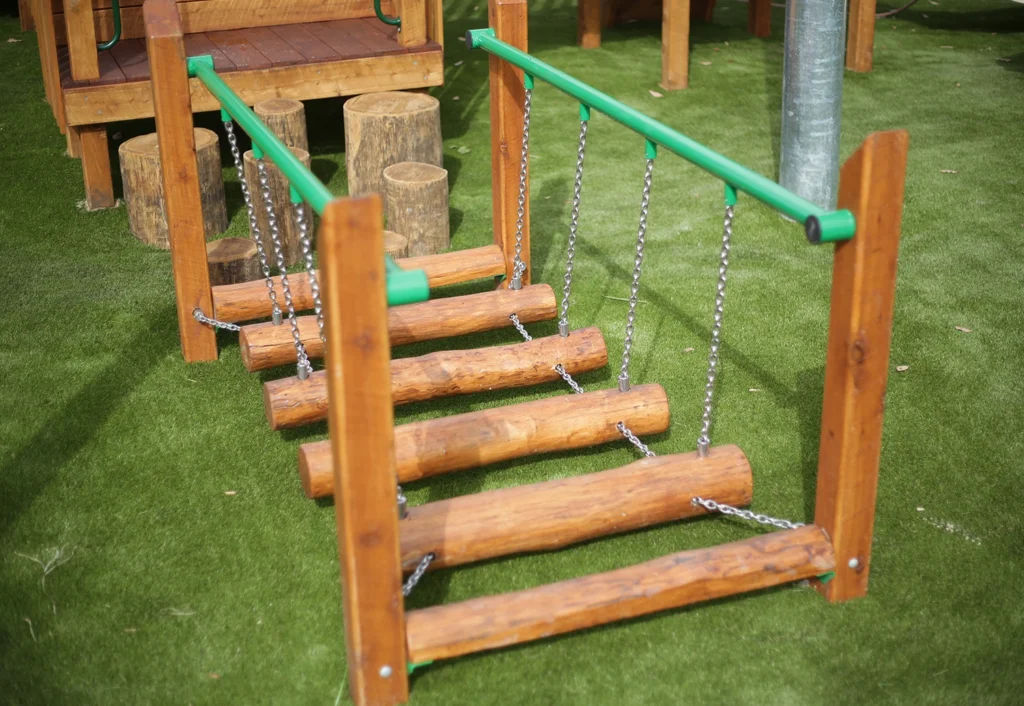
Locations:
(196, 571)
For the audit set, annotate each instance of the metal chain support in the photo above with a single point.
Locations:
(520, 267)
(202, 318)
(712, 506)
(307, 257)
(560, 369)
(635, 440)
(637, 265)
(403, 503)
(520, 328)
(417, 574)
(563, 322)
(704, 440)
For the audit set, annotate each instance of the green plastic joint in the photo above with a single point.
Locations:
(413, 666)
(225, 116)
(194, 62)
(257, 152)
(584, 112)
(731, 195)
(474, 36)
(394, 21)
(830, 227)
(115, 8)
(650, 149)
(294, 194)
(825, 578)
(406, 286)
(528, 82)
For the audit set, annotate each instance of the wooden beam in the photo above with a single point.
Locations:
(557, 513)
(291, 402)
(180, 171)
(361, 420)
(588, 29)
(266, 345)
(672, 581)
(860, 41)
(759, 18)
(475, 439)
(96, 175)
(435, 21)
(857, 359)
(84, 56)
(25, 15)
(43, 17)
(74, 143)
(675, 45)
(413, 32)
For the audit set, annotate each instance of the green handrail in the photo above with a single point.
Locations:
(404, 286)
(396, 21)
(820, 225)
(115, 7)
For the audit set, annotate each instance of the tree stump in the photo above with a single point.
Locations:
(395, 245)
(144, 187)
(382, 129)
(416, 205)
(232, 260)
(283, 208)
(286, 118)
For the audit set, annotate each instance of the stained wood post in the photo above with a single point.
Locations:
(759, 18)
(860, 35)
(42, 14)
(508, 19)
(180, 169)
(414, 22)
(81, 34)
(361, 420)
(25, 15)
(857, 358)
(589, 23)
(675, 44)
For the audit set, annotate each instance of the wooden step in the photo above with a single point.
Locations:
(249, 300)
(557, 513)
(476, 439)
(672, 581)
(291, 402)
(266, 345)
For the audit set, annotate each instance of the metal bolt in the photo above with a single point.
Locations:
(854, 563)
(385, 671)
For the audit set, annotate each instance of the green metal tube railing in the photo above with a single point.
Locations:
(115, 8)
(396, 21)
(404, 286)
(820, 225)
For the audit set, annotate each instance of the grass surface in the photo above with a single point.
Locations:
(175, 592)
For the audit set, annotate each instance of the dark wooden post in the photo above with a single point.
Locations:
(675, 44)
(860, 35)
(759, 18)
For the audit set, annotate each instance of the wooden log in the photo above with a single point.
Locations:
(144, 190)
(675, 45)
(245, 302)
(416, 205)
(474, 439)
(860, 36)
(395, 244)
(291, 402)
(286, 118)
(382, 129)
(284, 209)
(672, 581)
(233, 260)
(557, 513)
(266, 345)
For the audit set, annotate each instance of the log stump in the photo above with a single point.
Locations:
(283, 208)
(286, 118)
(396, 245)
(144, 187)
(232, 260)
(416, 205)
(382, 129)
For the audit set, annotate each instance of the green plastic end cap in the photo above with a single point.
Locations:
(413, 666)
(825, 578)
(407, 287)
(195, 62)
(225, 116)
(473, 36)
(830, 227)
(650, 149)
(257, 151)
(732, 196)
(293, 193)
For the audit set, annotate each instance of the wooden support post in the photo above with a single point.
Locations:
(74, 142)
(860, 36)
(414, 22)
(589, 23)
(675, 44)
(361, 422)
(180, 169)
(508, 20)
(95, 154)
(81, 35)
(857, 358)
(435, 22)
(42, 14)
(25, 15)
(759, 17)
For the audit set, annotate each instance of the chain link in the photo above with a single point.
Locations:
(568, 379)
(712, 506)
(520, 328)
(202, 318)
(307, 257)
(417, 574)
(519, 266)
(704, 440)
(563, 322)
(635, 440)
(637, 264)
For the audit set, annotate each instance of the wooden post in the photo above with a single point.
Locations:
(435, 22)
(81, 34)
(589, 23)
(508, 19)
(25, 15)
(361, 421)
(857, 358)
(759, 18)
(414, 22)
(95, 154)
(180, 169)
(42, 14)
(675, 44)
(860, 37)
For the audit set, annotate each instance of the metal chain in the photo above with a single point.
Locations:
(637, 264)
(202, 318)
(417, 574)
(704, 440)
(563, 322)
(520, 328)
(635, 440)
(229, 127)
(307, 257)
(568, 379)
(520, 267)
(304, 368)
(712, 506)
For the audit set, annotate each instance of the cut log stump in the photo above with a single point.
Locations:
(416, 205)
(395, 245)
(232, 260)
(283, 208)
(286, 118)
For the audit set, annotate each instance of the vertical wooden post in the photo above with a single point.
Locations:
(42, 14)
(435, 21)
(675, 44)
(172, 107)
(25, 15)
(74, 143)
(588, 27)
(361, 418)
(857, 359)
(414, 22)
(96, 175)
(860, 35)
(508, 19)
(759, 18)
(81, 33)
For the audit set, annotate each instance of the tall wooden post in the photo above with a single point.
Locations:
(588, 23)
(414, 22)
(361, 418)
(508, 20)
(857, 359)
(759, 18)
(675, 44)
(860, 38)
(180, 169)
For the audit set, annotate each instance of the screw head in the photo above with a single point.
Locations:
(385, 671)
(853, 563)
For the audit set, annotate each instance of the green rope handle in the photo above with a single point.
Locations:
(115, 6)
(396, 21)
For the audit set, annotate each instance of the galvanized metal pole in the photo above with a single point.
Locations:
(812, 99)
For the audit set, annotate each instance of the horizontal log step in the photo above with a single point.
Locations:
(266, 345)
(672, 581)
(291, 402)
(477, 439)
(249, 300)
(557, 513)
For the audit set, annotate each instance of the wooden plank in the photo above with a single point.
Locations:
(414, 22)
(860, 37)
(25, 15)
(558, 513)
(435, 21)
(508, 19)
(348, 38)
(131, 58)
(43, 17)
(82, 41)
(759, 18)
(74, 143)
(477, 439)
(110, 72)
(180, 172)
(857, 360)
(675, 45)
(277, 51)
(670, 582)
(291, 402)
(306, 43)
(266, 346)
(196, 44)
(239, 49)
(588, 29)
(95, 155)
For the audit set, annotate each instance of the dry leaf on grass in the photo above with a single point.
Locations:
(214, 675)
(754, 389)
(1004, 59)
(655, 94)
(962, 328)
(455, 98)
(12, 40)
(688, 350)
(705, 63)
(902, 368)
(459, 62)
(231, 492)
(948, 171)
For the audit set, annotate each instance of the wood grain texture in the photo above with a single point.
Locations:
(476, 439)
(414, 22)
(74, 143)
(286, 118)
(25, 15)
(860, 35)
(246, 302)
(871, 185)
(291, 402)
(759, 18)
(266, 345)
(396, 245)
(82, 41)
(675, 45)
(435, 21)
(280, 202)
(588, 23)
(99, 183)
(416, 205)
(42, 16)
(234, 260)
(669, 582)
(557, 513)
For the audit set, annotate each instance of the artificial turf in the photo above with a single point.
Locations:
(197, 573)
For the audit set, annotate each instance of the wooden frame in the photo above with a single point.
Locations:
(860, 35)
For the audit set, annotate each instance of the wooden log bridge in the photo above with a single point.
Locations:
(474, 439)
(291, 402)
(266, 345)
